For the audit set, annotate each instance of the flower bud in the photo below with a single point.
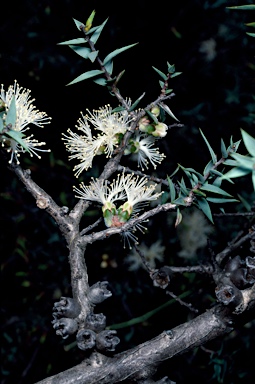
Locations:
(142, 124)
(155, 110)
(160, 130)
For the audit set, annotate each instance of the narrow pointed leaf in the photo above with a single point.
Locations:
(133, 106)
(178, 218)
(86, 75)
(80, 40)
(214, 189)
(117, 52)
(233, 163)
(252, 24)
(100, 81)
(219, 200)
(81, 51)
(17, 136)
(243, 7)
(244, 161)
(93, 55)
(214, 158)
(236, 172)
(109, 67)
(11, 114)
(175, 171)
(78, 24)
(152, 116)
(161, 83)
(175, 74)
(249, 142)
(97, 32)
(205, 208)
(171, 188)
(168, 110)
(208, 167)
(223, 149)
(245, 203)
(250, 34)
(161, 74)
(170, 68)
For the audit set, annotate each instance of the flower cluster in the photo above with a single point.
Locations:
(111, 127)
(25, 113)
(135, 192)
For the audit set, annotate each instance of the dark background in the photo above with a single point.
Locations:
(214, 94)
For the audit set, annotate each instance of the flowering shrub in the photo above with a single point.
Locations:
(126, 199)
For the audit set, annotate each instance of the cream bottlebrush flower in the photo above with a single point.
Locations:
(26, 113)
(112, 127)
(111, 124)
(145, 151)
(152, 254)
(193, 232)
(138, 193)
(83, 147)
(100, 191)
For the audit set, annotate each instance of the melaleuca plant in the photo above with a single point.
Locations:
(124, 198)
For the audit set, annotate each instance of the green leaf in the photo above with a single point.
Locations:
(214, 189)
(11, 114)
(217, 200)
(97, 32)
(249, 142)
(252, 24)
(175, 74)
(183, 187)
(205, 208)
(214, 158)
(93, 55)
(223, 149)
(175, 171)
(208, 167)
(161, 74)
(233, 163)
(109, 67)
(117, 52)
(161, 83)
(243, 7)
(80, 40)
(236, 172)
(100, 81)
(172, 189)
(253, 179)
(244, 202)
(133, 106)
(168, 110)
(78, 24)
(250, 34)
(86, 75)
(244, 161)
(178, 218)
(201, 177)
(17, 136)
(152, 116)
(170, 68)
(81, 51)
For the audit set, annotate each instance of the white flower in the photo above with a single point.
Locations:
(193, 232)
(26, 114)
(112, 127)
(152, 254)
(83, 147)
(132, 190)
(145, 151)
(138, 193)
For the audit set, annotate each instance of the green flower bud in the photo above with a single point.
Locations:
(155, 110)
(160, 130)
